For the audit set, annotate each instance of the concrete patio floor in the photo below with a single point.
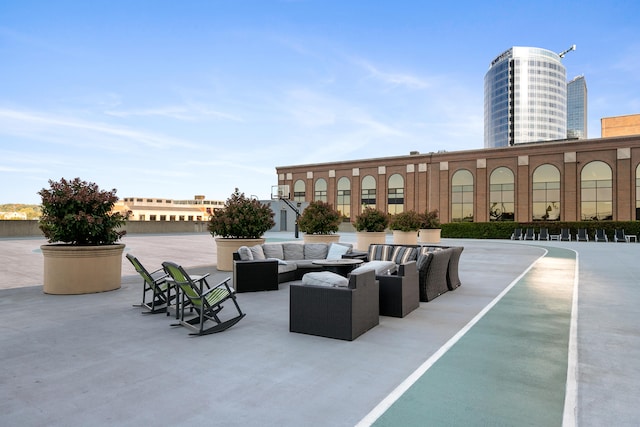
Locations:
(96, 360)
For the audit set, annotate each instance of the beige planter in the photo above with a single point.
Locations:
(71, 270)
(226, 247)
(321, 238)
(429, 235)
(405, 237)
(366, 238)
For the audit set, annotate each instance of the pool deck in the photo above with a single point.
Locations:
(539, 333)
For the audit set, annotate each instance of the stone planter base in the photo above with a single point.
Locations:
(226, 247)
(71, 270)
(405, 237)
(429, 235)
(321, 238)
(366, 238)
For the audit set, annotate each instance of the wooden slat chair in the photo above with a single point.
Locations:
(206, 302)
(155, 285)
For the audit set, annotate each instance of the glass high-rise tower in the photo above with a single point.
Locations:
(577, 108)
(525, 98)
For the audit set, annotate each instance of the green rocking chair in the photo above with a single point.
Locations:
(206, 302)
(156, 286)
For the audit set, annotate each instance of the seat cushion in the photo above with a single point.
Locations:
(380, 267)
(325, 278)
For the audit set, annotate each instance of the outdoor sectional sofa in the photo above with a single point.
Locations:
(264, 267)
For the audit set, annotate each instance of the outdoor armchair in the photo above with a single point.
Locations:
(582, 235)
(601, 235)
(529, 234)
(517, 234)
(565, 235)
(206, 302)
(544, 234)
(154, 285)
(399, 293)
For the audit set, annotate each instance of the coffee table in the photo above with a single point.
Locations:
(341, 266)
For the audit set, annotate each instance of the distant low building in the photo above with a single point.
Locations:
(13, 215)
(620, 125)
(153, 209)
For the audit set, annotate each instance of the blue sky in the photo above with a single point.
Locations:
(177, 98)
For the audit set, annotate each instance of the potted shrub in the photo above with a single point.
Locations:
(370, 228)
(241, 222)
(78, 221)
(405, 226)
(320, 221)
(430, 228)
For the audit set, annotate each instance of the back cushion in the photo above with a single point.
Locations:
(336, 251)
(315, 250)
(380, 252)
(423, 261)
(293, 251)
(273, 250)
(245, 253)
(404, 254)
(257, 252)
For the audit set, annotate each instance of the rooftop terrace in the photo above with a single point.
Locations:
(538, 334)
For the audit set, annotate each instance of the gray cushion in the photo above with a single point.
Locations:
(336, 251)
(315, 250)
(245, 253)
(306, 263)
(404, 254)
(380, 252)
(325, 278)
(380, 267)
(257, 252)
(286, 267)
(293, 251)
(273, 250)
(423, 261)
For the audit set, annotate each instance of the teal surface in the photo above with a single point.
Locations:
(510, 369)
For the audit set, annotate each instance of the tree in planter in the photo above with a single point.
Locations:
(430, 220)
(319, 218)
(241, 218)
(372, 220)
(406, 221)
(430, 227)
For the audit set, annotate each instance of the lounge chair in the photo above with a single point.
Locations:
(601, 235)
(517, 234)
(206, 302)
(544, 234)
(529, 234)
(565, 235)
(155, 284)
(619, 236)
(582, 235)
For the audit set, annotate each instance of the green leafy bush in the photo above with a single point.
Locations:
(319, 218)
(406, 221)
(241, 218)
(372, 220)
(79, 213)
(430, 219)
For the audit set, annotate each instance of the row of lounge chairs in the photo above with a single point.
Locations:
(565, 235)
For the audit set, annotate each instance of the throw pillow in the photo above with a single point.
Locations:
(315, 250)
(380, 252)
(404, 254)
(257, 252)
(245, 253)
(336, 251)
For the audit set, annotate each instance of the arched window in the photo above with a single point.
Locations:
(596, 191)
(344, 197)
(368, 192)
(546, 193)
(298, 191)
(320, 190)
(501, 197)
(395, 194)
(462, 196)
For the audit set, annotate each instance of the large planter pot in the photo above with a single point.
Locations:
(366, 238)
(226, 247)
(321, 238)
(71, 270)
(405, 237)
(429, 235)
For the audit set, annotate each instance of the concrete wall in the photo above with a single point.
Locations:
(29, 228)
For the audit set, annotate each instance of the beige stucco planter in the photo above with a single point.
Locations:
(226, 247)
(429, 235)
(405, 237)
(321, 238)
(366, 238)
(71, 270)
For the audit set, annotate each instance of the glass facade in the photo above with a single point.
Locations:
(462, 196)
(525, 98)
(577, 108)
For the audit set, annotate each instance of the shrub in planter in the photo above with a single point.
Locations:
(406, 221)
(79, 213)
(319, 218)
(430, 220)
(241, 218)
(371, 220)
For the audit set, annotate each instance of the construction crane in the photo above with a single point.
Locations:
(562, 54)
